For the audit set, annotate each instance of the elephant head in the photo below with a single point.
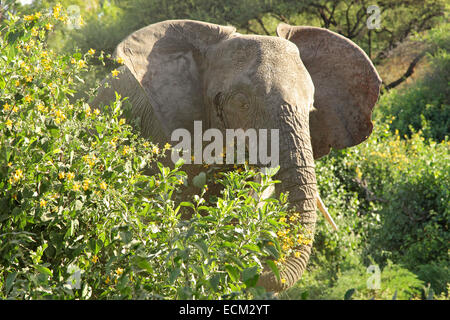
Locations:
(315, 86)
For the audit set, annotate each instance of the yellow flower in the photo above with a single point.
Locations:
(91, 51)
(115, 73)
(87, 109)
(96, 112)
(120, 60)
(15, 109)
(42, 203)
(283, 220)
(61, 175)
(297, 254)
(18, 175)
(7, 107)
(155, 150)
(122, 121)
(86, 184)
(9, 123)
(37, 15)
(70, 176)
(59, 113)
(283, 280)
(28, 78)
(167, 146)
(103, 185)
(126, 149)
(76, 186)
(49, 26)
(28, 98)
(119, 271)
(17, 83)
(113, 141)
(81, 63)
(34, 32)
(56, 10)
(107, 280)
(94, 259)
(358, 172)
(28, 17)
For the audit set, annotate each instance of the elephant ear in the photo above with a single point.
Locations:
(165, 58)
(346, 85)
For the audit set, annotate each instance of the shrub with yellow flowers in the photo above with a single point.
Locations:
(79, 220)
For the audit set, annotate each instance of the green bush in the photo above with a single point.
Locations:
(424, 105)
(79, 220)
(389, 198)
(395, 283)
(403, 192)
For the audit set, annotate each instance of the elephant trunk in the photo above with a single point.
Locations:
(297, 177)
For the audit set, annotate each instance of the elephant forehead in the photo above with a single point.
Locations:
(258, 57)
(244, 49)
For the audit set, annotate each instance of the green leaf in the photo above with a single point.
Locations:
(78, 205)
(100, 128)
(10, 281)
(187, 204)
(95, 245)
(43, 270)
(126, 236)
(179, 163)
(201, 245)
(199, 180)
(142, 263)
(272, 250)
(236, 260)
(348, 295)
(174, 275)
(229, 244)
(233, 272)
(274, 268)
(251, 247)
(214, 281)
(250, 276)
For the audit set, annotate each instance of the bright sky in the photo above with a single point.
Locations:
(25, 1)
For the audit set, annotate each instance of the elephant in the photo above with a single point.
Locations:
(315, 86)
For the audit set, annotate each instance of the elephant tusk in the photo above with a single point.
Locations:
(324, 211)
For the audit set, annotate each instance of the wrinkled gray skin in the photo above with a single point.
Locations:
(316, 87)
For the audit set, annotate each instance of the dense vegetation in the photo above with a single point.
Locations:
(78, 219)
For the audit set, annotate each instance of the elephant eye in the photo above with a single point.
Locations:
(239, 101)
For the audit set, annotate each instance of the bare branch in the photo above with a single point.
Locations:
(262, 26)
(407, 74)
